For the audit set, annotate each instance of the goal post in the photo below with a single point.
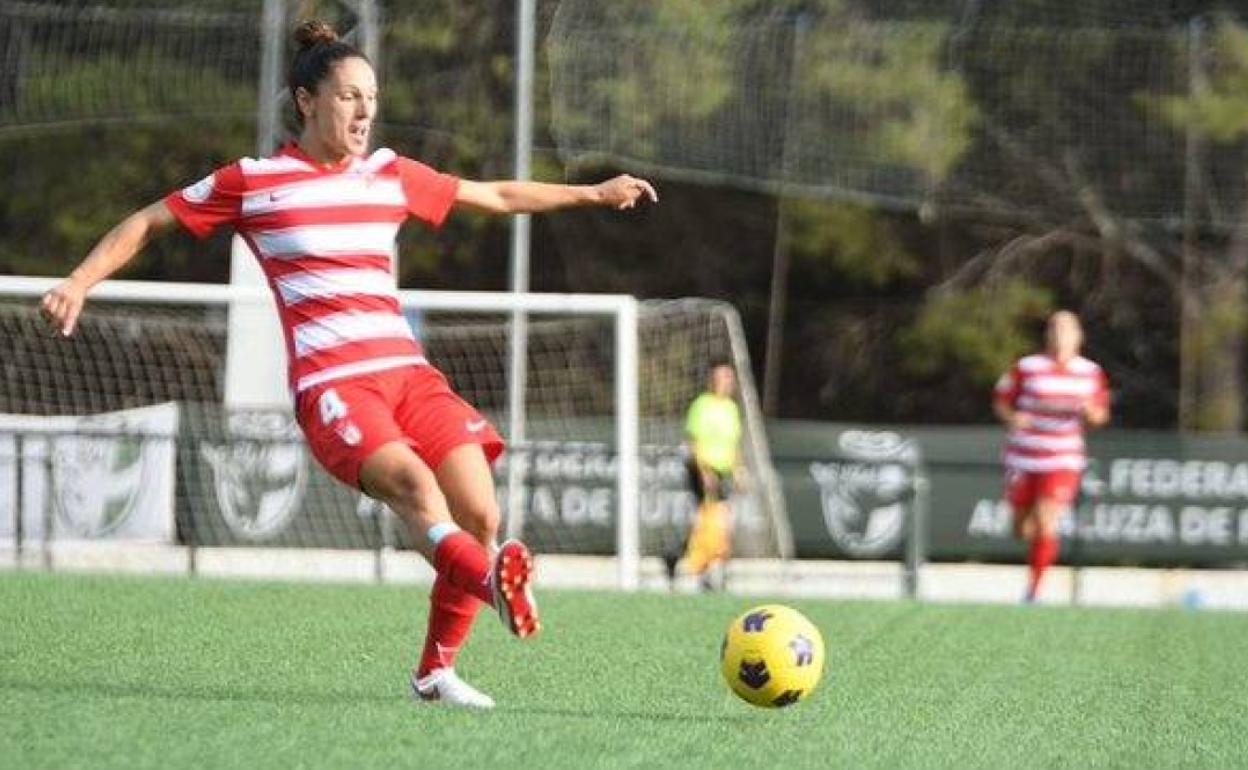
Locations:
(623, 310)
(601, 465)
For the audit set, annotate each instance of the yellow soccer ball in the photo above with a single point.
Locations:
(772, 656)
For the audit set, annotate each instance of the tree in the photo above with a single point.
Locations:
(114, 136)
(1098, 163)
(1212, 284)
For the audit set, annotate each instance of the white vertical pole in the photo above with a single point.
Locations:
(517, 381)
(255, 357)
(370, 32)
(627, 410)
(273, 30)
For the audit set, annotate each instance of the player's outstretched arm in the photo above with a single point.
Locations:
(515, 197)
(63, 303)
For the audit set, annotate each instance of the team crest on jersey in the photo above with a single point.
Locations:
(200, 191)
(866, 496)
(259, 474)
(98, 479)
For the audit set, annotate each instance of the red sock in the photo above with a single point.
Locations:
(451, 613)
(1043, 553)
(465, 564)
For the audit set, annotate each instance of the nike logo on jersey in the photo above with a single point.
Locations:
(277, 196)
(475, 426)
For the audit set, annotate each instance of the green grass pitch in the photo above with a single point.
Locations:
(106, 672)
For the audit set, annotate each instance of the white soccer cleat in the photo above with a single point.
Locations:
(444, 686)
(510, 579)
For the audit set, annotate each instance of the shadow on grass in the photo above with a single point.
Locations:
(225, 694)
(599, 714)
(201, 693)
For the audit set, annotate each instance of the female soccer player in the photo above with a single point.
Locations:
(1044, 401)
(321, 216)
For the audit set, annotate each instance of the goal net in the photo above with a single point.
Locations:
(242, 477)
(566, 463)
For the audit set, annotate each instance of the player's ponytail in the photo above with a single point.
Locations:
(317, 49)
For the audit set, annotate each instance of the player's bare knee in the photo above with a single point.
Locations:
(406, 491)
(398, 485)
(1048, 514)
(1021, 524)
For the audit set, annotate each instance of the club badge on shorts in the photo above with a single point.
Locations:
(334, 412)
(349, 432)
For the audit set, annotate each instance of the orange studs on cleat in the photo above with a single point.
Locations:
(513, 570)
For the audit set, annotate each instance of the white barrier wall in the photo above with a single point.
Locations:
(103, 486)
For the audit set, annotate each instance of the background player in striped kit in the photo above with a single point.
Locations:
(1045, 400)
(321, 217)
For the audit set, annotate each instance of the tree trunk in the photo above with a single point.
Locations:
(1217, 403)
(1213, 336)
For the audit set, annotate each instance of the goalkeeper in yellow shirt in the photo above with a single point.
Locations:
(713, 430)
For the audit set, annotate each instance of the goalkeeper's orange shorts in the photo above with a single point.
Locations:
(347, 420)
(710, 541)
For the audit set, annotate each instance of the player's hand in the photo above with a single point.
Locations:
(1095, 415)
(62, 305)
(624, 191)
(1020, 421)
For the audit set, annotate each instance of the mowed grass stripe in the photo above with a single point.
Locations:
(175, 672)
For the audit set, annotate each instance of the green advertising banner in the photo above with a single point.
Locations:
(1150, 498)
(244, 477)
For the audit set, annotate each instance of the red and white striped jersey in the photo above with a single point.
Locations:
(324, 238)
(1053, 395)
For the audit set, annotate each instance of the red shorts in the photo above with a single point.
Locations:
(1024, 489)
(347, 420)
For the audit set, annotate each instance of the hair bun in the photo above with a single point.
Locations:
(314, 32)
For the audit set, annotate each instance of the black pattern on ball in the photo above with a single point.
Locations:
(753, 675)
(755, 621)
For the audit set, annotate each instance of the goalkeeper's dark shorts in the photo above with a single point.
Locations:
(723, 481)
